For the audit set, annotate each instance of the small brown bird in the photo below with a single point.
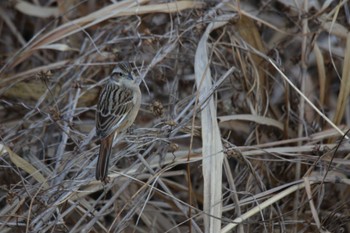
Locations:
(117, 108)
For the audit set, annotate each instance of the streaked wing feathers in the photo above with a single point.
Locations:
(113, 108)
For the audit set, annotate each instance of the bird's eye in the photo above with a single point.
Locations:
(118, 74)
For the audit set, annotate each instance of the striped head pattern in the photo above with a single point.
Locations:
(122, 71)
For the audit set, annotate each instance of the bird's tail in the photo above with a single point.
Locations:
(103, 157)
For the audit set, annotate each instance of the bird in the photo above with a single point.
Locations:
(118, 105)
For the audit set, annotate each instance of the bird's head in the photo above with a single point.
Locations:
(123, 74)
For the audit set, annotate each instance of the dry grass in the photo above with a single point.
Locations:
(242, 126)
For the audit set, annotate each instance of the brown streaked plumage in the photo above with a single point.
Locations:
(117, 108)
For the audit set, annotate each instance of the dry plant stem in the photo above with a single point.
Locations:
(168, 191)
(297, 150)
(150, 190)
(105, 207)
(70, 28)
(298, 91)
(78, 206)
(232, 184)
(189, 111)
(31, 206)
(36, 10)
(188, 167)
(12, 27)
(333, 13)
(253, 118)
(189, 183)
(11, 80)
(307, 100)
(343, 97)
(301, 184)
(179, 204)
(27, 167)
(124, 8)
(84, 208)
(345, 85)
(37, 223)
(30, 114)
(252, 151)
(311, 203)
(164, 45)
(260, 196)
(256, 19)
(160, 55)
(303, 64)
(65, 133)
(212, 146)
(17, 204)
(321, 73)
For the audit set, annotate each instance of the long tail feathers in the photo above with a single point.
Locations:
(103, 158)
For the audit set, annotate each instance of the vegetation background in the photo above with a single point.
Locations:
(242, 126)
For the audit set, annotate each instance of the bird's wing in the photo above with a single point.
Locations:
(113, 107)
